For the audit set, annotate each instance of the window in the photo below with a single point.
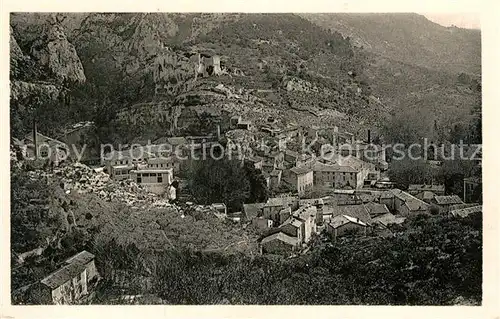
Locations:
(160, 178)
(152, 174)
(139, 178)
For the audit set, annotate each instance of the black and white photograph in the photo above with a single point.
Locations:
(183, 158)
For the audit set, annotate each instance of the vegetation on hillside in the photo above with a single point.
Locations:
(226, 181)
(432, 260)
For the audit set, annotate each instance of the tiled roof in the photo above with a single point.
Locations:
(375, 209)
(300, 170)
(463, 205)
(82, 257)
(305, 211)
(423, 187)
(448, 200)
(320, 167)
(280, 201)
(411, 201)
(356, 211)
(74, 267)
(464, 212)
(29, 137)
(292, 221)
(389, 218)
(313, 201)
(340, 220)
(281, 237)
(425, 195)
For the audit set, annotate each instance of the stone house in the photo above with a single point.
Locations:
(307, 214)
(279, 243)
(157, 181)
(444, 202)
(336, 176)
(294, 228)
(342, 224)
(406, 204)
(164, 163)
(302, 179)
(68, 284)
(278, 207)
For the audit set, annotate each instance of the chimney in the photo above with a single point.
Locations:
(369, 139)
(35, 133)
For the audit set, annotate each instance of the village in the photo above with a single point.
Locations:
(338, 187)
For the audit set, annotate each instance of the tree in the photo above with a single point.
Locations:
(259, 192)
(407, 171)
(212, 181)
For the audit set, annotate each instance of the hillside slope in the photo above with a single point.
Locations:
(309, 72)
(409, 38)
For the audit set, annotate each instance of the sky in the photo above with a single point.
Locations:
(462, 20)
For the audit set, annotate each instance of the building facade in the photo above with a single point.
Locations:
(70, 283)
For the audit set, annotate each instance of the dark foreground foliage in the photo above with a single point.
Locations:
(431, 261)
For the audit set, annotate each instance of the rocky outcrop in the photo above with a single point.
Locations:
(15, 51)
(152, 31)
(296, 84)
(57, 55)
(24, 91)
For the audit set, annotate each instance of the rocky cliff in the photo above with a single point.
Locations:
(305, 63)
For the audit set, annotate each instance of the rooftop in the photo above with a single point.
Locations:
(74, 266)
(463, 205)
(160, 160)
(320, 167)
(425, 195)
(152, 171)
(411, 201)
(424, 187)
(82, 257)
(389, 218)
(292, 221)
(352, 161)
(464, 212)
(340, 220)
(375, 209)
(305, 211)
(313, 201)
(281, 237)
(300, 170)
(29, 137)
(280, 201)
(357, 211)
(448, 200)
